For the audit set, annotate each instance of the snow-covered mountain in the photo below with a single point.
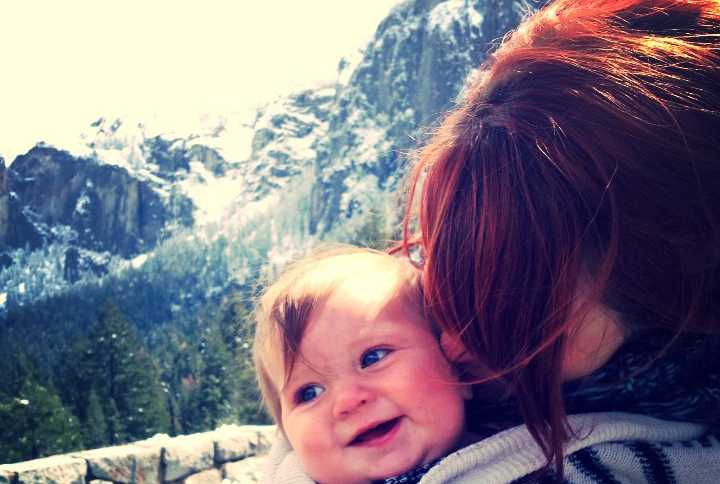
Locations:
(313, 165)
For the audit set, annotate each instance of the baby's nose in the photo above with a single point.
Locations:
(351, 397)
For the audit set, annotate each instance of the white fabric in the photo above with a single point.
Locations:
(282, 465)
(512, 454)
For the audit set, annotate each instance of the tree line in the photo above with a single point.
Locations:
(164, 348)
(107, 388)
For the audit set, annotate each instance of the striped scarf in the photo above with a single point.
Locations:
(611, 448)
(681, 383)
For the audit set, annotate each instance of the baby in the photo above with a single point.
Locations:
(351, 370)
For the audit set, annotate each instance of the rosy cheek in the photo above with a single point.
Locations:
(308, 435)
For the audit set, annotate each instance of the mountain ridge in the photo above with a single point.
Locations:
(316, 165)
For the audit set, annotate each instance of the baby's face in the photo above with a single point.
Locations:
(372, 395)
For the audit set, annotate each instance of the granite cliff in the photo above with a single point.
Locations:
(318, 164)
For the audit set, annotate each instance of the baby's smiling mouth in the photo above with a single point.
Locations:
(375, 433)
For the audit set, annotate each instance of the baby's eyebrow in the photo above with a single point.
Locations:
(304, 371)
(296, 375)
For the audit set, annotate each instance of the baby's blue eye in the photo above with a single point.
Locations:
(309, 393)
(371, 357)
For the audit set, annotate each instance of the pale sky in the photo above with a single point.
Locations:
(65, 63)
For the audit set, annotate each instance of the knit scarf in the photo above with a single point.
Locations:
(680, 383)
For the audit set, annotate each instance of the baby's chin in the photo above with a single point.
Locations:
(393, 463)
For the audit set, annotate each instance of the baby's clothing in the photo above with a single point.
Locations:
(412, 477)
(611, 447)
(682, 387)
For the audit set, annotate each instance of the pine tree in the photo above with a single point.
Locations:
(34, 424)
(180, 364)
(114, 424)
(77, 375)
(15, 367)
(124, 379)
(237, 326)
(33, 420)
(374, 231)
(95, 427)
(215, 395)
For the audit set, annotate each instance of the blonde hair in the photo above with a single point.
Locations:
(284, 310)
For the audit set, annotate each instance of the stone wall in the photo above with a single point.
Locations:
(230, 454)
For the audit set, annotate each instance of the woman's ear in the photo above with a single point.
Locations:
(454, 349)
(455, 353)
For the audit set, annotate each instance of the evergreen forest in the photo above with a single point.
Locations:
(161, 348)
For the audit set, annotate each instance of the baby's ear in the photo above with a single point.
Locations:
(454, 349)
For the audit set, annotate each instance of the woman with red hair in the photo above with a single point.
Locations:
(568, 218)
(568, 211)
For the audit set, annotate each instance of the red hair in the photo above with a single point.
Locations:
(588, 146)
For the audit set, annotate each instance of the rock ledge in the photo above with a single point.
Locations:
(228, 454)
